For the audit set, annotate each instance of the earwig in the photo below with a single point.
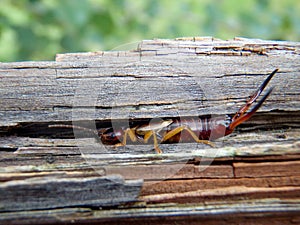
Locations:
(200, 129)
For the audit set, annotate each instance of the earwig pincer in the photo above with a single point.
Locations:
(174, 130)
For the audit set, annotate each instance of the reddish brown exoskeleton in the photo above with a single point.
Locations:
(173, 130)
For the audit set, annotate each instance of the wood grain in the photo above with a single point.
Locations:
(41, 193)
(52, 175)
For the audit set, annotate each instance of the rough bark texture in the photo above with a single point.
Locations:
(252, 176)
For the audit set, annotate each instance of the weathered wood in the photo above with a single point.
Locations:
(58, 192)
(250, 176)
(178, 78)
(240, 212)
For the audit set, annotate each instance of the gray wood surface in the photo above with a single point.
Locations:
(162, 78)
(59, 192)
(240, 212)
(248, 176)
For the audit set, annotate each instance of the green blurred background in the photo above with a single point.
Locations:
(38, 29)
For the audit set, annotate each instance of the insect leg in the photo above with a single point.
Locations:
(128, 132)
(157, 149)
(147, 135)
(177, 130)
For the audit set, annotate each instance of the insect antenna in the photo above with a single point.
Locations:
(74, 127)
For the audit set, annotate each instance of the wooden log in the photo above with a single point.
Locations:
(244, 212)
(250, 176)
(41, 193)
(195, 81)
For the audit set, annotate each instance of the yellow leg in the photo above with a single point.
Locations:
(192, 133)
(131, 133)
(128, 132)
(157, 149)
(147, 136)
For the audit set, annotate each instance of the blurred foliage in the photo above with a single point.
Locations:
(38, 29)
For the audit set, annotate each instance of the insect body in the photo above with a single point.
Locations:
(199, 129)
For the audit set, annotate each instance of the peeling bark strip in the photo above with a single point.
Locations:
(251, 176)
